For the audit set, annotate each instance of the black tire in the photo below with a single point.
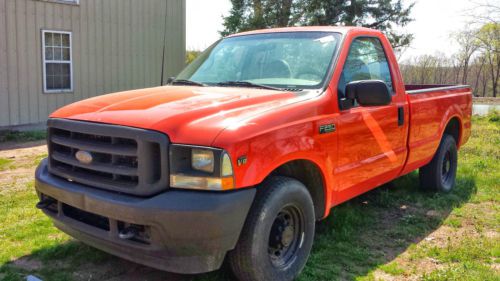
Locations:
(440, 173)
(280, 202)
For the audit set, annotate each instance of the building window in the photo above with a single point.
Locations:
(57, 61)
(71, 2)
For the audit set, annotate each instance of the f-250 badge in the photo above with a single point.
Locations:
(328, 128)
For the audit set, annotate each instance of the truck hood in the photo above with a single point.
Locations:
(194, 115)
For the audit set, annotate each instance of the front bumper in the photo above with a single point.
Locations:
(188, 231)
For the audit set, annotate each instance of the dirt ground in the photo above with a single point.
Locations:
(22, 156)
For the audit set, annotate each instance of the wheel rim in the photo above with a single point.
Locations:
(446, 170)
(286, 236)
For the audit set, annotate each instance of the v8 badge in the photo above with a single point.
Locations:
(242, 160)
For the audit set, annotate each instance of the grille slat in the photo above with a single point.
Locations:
(124, 159)
(100, 167)
(125, 150)
(87, 178)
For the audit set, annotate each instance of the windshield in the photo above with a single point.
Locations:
(285, 60)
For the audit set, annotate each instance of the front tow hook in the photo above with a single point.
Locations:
(45, 203)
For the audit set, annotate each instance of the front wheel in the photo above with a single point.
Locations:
(278, 233)
(440, 173)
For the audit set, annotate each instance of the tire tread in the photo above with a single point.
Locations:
(239, 260)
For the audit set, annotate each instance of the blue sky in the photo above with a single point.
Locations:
(434, 21)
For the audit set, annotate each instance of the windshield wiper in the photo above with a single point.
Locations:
(187, 82)
(246, 84)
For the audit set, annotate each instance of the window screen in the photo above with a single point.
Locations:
(57, 61)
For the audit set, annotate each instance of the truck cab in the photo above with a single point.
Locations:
(250, 145)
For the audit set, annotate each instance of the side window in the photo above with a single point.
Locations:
(366, 61)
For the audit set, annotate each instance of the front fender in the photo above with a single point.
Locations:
(266, 152)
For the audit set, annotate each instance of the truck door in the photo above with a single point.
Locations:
(371, 139)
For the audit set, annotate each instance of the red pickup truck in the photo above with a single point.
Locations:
(246, 149)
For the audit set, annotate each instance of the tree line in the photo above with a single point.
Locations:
(383, 15)
(477, 62)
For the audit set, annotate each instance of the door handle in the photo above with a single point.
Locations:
(401, 116)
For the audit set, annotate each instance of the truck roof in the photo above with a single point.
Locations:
(339, 29)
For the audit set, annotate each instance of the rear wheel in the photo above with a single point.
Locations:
(440, 173)
(278, 234)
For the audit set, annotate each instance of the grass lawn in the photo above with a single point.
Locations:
(395, 232)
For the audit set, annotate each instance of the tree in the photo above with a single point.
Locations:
(478, 71)
(485, 11)
(384, 15)
(256, 14)
(191, 56)
(467, 40)
(489, 38)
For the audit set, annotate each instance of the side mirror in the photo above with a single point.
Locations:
(170, 80)
(369, 92)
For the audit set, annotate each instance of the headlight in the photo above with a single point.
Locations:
(204, 168)
(202, 160)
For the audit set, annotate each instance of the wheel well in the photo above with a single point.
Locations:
(453, 129)
(310, 175)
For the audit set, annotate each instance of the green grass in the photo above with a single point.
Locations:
(469, 250)
(30, 161)
(22, 136)
(392, 269)
(471, 271)
(5, 163)
(394, 230)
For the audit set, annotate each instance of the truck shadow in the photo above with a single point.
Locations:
(357, 237)
(377, 227)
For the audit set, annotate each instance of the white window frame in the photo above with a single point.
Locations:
(75, 2)
(69, 2)
(45, 90)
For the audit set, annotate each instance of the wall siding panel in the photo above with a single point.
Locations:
(83, 78)
(42, 98)
(116, 45)
(32, 74)
(77, 53)
(12, 63)
(107, 46)
(22, 68)
(66, 24)
(4, 87)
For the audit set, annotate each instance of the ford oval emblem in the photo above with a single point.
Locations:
(84, 157)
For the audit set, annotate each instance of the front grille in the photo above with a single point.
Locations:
(124, 159)
(113, 227)
(86, 217)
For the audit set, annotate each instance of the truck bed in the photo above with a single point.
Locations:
(431, 108)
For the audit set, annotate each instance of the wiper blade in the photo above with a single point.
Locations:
(246, 84)
(187, 82)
